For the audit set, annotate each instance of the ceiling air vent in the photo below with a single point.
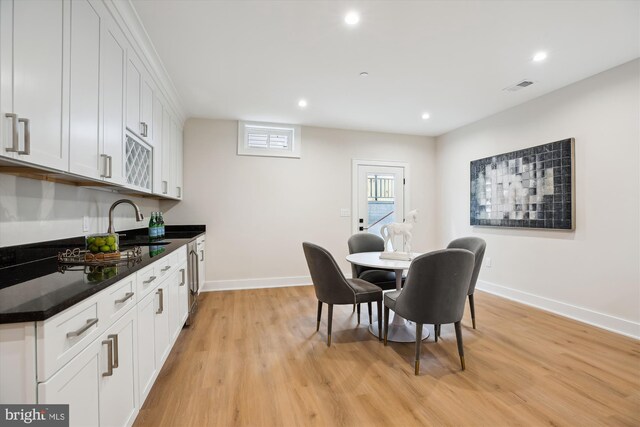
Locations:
(518, 86)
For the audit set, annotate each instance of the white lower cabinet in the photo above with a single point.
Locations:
(105, 353)
(178, 300)
(78, 385)
(98, 384)
(118, 397)
(146, 340)
(161, 323)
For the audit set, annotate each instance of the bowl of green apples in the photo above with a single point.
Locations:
(104, 243)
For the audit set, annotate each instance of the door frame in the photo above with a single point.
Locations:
(355, 163)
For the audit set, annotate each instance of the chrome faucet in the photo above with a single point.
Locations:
(139, 216)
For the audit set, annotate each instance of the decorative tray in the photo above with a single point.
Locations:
(79, 256)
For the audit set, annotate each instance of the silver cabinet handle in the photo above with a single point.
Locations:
(182, 273)
(144, 130)
(165, 186)
(109, 344)
(14, 133)
(106, 166)
(83, 329)
(114, 337)
(151, 279)
(27, 137)
(201, 254)
(124, 298)
(160, 293)
(166, 268)
(179, 191)
(110, 159)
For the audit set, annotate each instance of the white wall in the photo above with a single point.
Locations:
(259, 210)
(592, 273)
(35, 211)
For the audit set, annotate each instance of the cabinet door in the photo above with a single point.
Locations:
(174, 306)
(134, 79)
(183, 296)
(146, 113)
(118, 400)
(146, 345)
(179, 161)
(113, 89)
(161, 323)
(78, 384)
(157, 144)
(167, 159)
(84, 91)
(38, 90)
(6, 79)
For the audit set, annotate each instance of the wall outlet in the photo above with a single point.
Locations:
(85, 224)
(487, 262)
(345, 212)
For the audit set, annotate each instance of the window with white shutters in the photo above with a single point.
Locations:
(268, 139)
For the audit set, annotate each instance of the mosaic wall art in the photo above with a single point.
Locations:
(530, 188)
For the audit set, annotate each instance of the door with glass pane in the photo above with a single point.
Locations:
(380, 197)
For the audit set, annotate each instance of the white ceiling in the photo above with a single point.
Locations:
(254, 60)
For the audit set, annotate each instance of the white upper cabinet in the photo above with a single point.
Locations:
(74, 90)
(96, 94)
(146, 110)
(139, 99)
(179, 163)
(8, 146)
(37, 33)
(84, 91)
(133, 94)
(158, 111)
(113, 68)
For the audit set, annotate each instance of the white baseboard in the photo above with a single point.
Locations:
(269, 282)
(601, 320)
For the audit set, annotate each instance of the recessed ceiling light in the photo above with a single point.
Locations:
(302, 103)
(425, 116)
(364, 74)
(352, 18)
(540, 56)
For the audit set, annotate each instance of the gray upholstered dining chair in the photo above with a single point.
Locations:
(333, 288)
(477, 247)
(385, 279)
(434, 293)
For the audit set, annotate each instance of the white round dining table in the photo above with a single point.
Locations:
(400, 329)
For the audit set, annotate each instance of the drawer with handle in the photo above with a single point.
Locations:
(63, 336)
(147, 279)
(166, 265)
(119, 298)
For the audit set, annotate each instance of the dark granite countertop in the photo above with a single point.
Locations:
(32, 288)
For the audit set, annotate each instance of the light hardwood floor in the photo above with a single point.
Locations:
(253, 358)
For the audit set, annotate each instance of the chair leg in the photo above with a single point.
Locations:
(436, 332)
(358, 309)
(319, 315)
(370, 313)
(459, 339)
(329, 324)
(354, 308)
(418, 344)
(379, 304)
(473, 311)
(386, 323)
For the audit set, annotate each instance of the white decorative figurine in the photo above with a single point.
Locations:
(390, 231)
